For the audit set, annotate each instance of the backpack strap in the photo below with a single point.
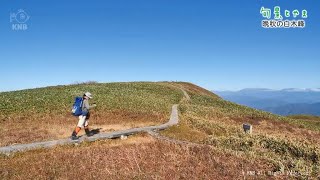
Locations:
(82, 99)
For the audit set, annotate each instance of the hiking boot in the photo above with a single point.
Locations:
(74, 137)
(89, 133)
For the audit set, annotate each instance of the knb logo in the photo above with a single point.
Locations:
(19, 20)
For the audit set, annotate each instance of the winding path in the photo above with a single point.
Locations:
(174, 119)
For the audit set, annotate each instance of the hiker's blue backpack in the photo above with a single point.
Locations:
(77, 106)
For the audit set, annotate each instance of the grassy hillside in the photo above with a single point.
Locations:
(45, 113)
(288, 144)
(280, 147)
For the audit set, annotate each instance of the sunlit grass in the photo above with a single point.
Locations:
(45, 113)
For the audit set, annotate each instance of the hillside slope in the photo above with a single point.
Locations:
(208, 143)
(45, 113)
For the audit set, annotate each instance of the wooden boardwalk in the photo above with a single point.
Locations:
(174, 119)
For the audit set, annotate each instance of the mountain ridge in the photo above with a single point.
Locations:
(286, 101)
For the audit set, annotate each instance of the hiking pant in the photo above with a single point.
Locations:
(83, 121)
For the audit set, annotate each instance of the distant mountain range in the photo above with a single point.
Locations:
(283, 102)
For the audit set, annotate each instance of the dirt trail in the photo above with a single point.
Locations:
(174, 119)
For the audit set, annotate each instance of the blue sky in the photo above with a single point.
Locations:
(216, 44)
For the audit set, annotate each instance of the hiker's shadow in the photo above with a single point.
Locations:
(92, 132)
(95, 131)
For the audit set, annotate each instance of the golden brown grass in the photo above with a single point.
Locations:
(138, 157)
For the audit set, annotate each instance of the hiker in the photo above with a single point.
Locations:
(83, 112)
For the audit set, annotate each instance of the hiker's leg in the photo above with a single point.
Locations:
(86, 128)
(76, 131)
(86, 122)
(86, 125)
(80, 124)
(82, 120)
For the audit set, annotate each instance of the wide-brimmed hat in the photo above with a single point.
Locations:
(89, 95)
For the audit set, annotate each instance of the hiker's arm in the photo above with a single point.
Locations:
(89, 106)
(86, 106)
(93, 105)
